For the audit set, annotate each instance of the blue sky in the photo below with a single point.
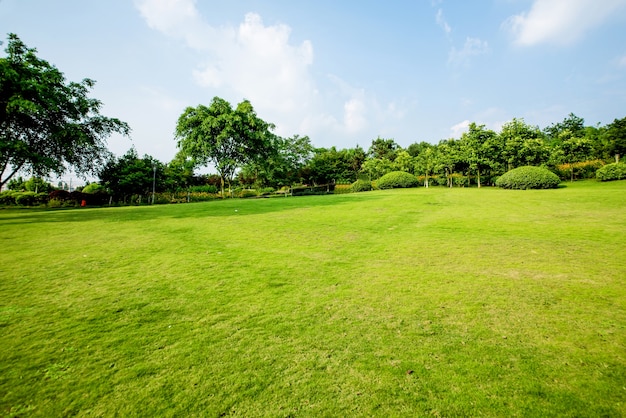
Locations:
(341, 72)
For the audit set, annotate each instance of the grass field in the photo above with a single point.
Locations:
(442, 302)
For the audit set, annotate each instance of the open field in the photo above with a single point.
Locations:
(443, 302)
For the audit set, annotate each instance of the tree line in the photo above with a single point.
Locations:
(48, 125)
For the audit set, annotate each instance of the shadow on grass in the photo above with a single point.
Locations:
(218, 208)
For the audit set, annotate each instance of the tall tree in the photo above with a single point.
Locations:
(47, 124)
(516, 152)
(616, 138)
(383, 149)
(222, 136)
(476, 149)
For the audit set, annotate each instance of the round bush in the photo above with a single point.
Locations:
(361, 186)
(528, 177)
(615, 171)
(397, 179)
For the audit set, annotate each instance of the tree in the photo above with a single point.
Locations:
(574, 149)
(47, 124)
(282, 164)
(130, 175)
(222, 136)
(516, 151)
(616, 138)
(383, 149)
(476, 149)
(572, 123)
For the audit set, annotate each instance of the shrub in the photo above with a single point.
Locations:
(361, 186)
(207, 188)
(528, 177)
(30, 198)
(342, 188)
(615, 171)
(245, 193)
(397, 179)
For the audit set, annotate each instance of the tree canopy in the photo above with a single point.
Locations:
(47, 124)
(222, 136)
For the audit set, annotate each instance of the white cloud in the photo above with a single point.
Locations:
(559, 22)
(261, 63)
(622, 61)
(472, 47)
(441, 21)
(457, 130)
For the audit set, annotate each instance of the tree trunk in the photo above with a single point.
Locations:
(478, 178)
(616, 158)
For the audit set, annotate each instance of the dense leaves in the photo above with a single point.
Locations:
(46, 123)
(397, 179)
(224, 137)
(528, 177)
(615, 171)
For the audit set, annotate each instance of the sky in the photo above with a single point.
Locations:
(341, 72)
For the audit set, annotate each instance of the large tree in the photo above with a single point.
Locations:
(47, 124)
(224, 137)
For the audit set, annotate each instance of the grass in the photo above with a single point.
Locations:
(443, 302)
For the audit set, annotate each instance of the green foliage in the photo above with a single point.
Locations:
(207, 188)
(528, 177)
(46, 123)
(615, 171)
(397, 179)
(93, 188)
(10, 198)
(361, 186)
(16, 183)
(225, 137)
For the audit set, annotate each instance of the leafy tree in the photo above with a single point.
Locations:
(46, 123)
(476, 146)
(572, 123)
(375, 168)
(405, 162)
(517, 150)
(616, 138)
(282, 165)
(330, 165)
(38, 185)
(449, 158)
(574, 149)
(130, 175)
(383, 149)
(17, 184)
(426, 161)
(222, 136)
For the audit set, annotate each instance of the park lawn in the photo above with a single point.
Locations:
(444, 302)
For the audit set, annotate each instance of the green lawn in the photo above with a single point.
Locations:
(443, 302)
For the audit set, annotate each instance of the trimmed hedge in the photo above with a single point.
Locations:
(361, 186)
(615, 171)
(528, 177)
(397, 179)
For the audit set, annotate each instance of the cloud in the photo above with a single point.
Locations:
(441, 21)
(472, 47)
(559, 22)
(621, 62)
(457, 130)
(261, 63)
